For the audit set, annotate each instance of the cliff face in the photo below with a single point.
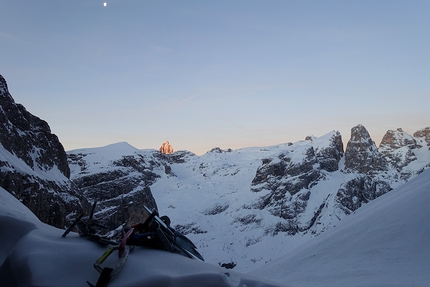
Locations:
(29, 137)
(34, 164)
(424, 136)
(290, 177)
(361, 154)
(119, 184)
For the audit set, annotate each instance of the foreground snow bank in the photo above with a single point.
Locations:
(35, 254)
(385, 243)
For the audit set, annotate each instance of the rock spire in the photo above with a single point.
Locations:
(166, 148)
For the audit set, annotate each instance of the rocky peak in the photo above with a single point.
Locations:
(424, 134)
(397, 139)
(330, 156)
(29, 137)
(33, 163)
(361, 154)
(397, 147)
(166, 148)
(219, 150)
(3, 87)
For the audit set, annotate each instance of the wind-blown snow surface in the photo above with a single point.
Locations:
(385, 243)
(35, 254)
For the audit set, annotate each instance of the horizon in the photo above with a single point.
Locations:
(217, 74)
(344, 141)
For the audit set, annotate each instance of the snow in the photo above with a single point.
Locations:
(17, 164)
(221, 237)
(109, 152)
(35, 254)
(385, 243)
(209, 196)
(101, 157)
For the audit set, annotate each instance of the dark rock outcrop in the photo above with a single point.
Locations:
(34, 164)
(121, 191)
(361, 154)
(424, 134)
(360, 190)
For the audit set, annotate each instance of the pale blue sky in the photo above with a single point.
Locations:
(203, 74)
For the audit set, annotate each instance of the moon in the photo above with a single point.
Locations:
(105, 4)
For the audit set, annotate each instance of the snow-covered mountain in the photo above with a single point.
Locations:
(250, 205)
(33, 163)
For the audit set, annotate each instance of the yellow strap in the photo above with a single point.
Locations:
(105, 255)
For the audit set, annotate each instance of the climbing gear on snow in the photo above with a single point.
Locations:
(155, 232)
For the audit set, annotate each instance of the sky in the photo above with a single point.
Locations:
(229, 74)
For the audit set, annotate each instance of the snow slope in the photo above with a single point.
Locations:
(385, 243)
(18, 165)
(207, 196)
(35, 254)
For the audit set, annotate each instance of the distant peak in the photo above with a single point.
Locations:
(166, 148)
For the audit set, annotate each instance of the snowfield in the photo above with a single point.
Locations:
(385, 243)
(34, 254)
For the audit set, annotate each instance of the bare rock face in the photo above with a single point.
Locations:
(424, 135)
(363, 159)
(361, 154)
(166, 148)
(397, 148)
(397, 139)
(29, 137)
(360, 190)
(289, 181)
(33, 163)
(122, 190)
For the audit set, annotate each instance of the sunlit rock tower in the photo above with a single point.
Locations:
(166, 148)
